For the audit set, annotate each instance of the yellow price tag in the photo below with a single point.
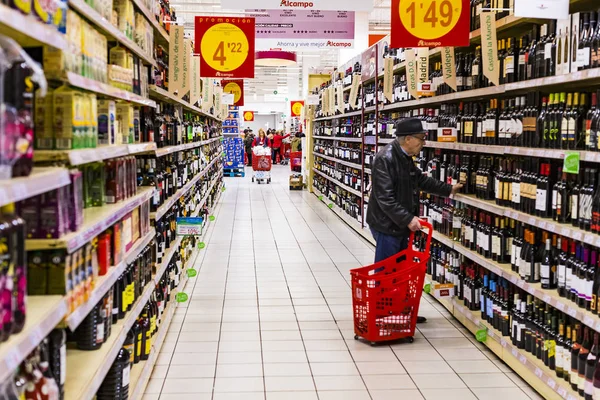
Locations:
(225, 47)
(430, 19)
(297, 108)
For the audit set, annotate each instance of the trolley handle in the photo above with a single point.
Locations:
(425, 227)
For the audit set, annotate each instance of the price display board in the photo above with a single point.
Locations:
(236, 88)
(226, 46)
(430, 23)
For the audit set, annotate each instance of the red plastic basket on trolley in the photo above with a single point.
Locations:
(261, 163)
(296, 161)
(386, 295)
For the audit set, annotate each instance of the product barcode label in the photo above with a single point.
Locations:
(565, 231)
(503, 342)
(532, 221)
(523, 359)
(589, 239)
(560, 306)
(572, 312)
(515, 352)
(547, 298)
(542, 225)
(551, 383)
(562, 392)
(577, 235)
(551, 227)
(538, 372)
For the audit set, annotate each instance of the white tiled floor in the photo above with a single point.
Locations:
(269, 317)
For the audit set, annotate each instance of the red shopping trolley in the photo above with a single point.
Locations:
(296, 161)
(386, 295)
(261, 167)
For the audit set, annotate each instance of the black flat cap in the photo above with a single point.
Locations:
(409, 126)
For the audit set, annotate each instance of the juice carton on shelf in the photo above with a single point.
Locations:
(68, 117)
(75, 201)
(125, 119)
(94, 184)
(37, 274)
(43, 117)
(110, 192)
(118, 248)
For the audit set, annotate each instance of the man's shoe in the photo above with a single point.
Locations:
(420, 320)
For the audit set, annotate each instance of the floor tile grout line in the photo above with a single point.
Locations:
(329, 307)
(262, 357)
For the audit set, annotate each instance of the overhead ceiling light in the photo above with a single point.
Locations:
(275, 58)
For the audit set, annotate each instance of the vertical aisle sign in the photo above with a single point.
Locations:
(331, 100)
(205, 91)
(433, 23)
(423, 86)
(296, 107)
(411, 72)
(226, 46)
(340, 97)
(489, 47)
(185, 68)
(218, 92)
(388, 78)
(449, 67)
(195, 83)
(236, 88)
(176, 44)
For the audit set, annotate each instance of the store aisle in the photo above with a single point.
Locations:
(269, 317)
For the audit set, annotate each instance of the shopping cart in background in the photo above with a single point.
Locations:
(386, 295)
(261, 167)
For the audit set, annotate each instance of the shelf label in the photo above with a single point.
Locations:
(571, 160)
(538, 372)
(430, 24)
(577, 235)
(589, 321)
(192, 272)
(542, 225)
(515, 352)
(211, 218)
(330, 205)
(201, 245)
(546, 298)
(523, 359)
(560, 306)
(190, 226)
(226, 46)
(503, 342)
(562, 392)
(427, 288)
(532, 221)
(551, 383)
(565, 231)
(572, 312)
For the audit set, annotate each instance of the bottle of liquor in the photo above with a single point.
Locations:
(582, 361)
(575, 349)
(590, 368)
(585, 42)
(548, 268)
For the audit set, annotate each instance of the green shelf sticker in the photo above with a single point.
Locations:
(181, 297)
(223, 154)
(571, 162)
(192, 272)
(211, 218)
(427, 288)
(481, 335)
(321, 197)
(201, 245)
(223, 189)
(330, 205)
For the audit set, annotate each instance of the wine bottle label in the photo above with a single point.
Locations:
(568, 279)
(574, 206)
(540, 200)
(545, 274)
(589, 290)
(559, 357)
(536, 271)
(100, 333)
(63, 364)
(548, 51)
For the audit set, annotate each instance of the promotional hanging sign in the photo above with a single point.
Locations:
(369, 63)
(226, 46)
(547, 9)
(235, 87)
(340, 97)
(435, 23)
(303, 29)
(411, 73)
(354, 90)
(424, 87)
(388, 78)
(489, 47)
(195, 83)
(185, 68)
(218, 93)
(296, 107)
(176, 44)
(331, 100)
(352, 5)
(248, 116)
(449, 67)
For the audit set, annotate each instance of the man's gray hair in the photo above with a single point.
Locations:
(401, 140)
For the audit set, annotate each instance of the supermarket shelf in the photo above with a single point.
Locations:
(342, 162)
(103, 24)
(566, 230)
(85, 156)
(345, 115)
(160, 33)
(43, 314)
(29, 31)
(352, 223)
(86, 369)
(164, 95)
(106, 282)
(548, 296)
(340, 184)
(106, 90)
(95, 221)
(160, 269)
(41, 180)
(343, 139)
(163, 151)
(532, 370)
(173, 199)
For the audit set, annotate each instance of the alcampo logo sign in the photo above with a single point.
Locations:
(338, 44)
(301, 4)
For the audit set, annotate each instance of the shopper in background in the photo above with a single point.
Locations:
(277, 141)
(261, 139)
(396, 182)
(248, 140)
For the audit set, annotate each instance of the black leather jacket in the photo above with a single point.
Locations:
(396, 181)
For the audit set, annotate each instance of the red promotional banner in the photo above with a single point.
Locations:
(434, 23)
(296, 108)
(248, 116)
(236, 88)
(226, 46)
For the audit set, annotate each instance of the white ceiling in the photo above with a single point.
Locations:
(284, 80)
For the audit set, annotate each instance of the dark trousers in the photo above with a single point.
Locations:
(274, 153)
(249, 154)
(387, 245)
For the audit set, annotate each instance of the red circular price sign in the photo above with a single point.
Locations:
(249, 116)
(235, 87)
(430, 23)
(226, 46)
